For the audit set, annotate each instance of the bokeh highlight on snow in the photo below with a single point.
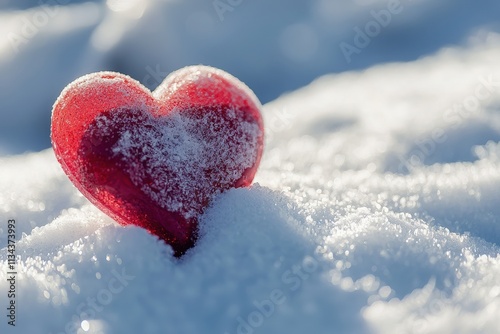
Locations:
(376, 208)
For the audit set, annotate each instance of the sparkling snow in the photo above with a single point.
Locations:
(376, 209)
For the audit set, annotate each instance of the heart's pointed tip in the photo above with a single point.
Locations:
(181, 247)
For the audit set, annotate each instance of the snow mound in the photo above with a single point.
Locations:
(375, 210)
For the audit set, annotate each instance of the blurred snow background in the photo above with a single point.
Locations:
(376, 207)
(273, 46)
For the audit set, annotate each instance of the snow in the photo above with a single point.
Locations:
(375, 209)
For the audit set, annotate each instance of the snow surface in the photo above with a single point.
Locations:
(375, 209)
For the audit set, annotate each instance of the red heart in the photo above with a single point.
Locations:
(157, 159)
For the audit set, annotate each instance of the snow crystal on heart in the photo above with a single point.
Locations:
(179, 160)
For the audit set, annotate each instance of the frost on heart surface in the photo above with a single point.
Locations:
(156, 160)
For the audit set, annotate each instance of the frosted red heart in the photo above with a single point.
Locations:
(156, 160)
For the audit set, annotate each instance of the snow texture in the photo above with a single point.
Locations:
(375, 210)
